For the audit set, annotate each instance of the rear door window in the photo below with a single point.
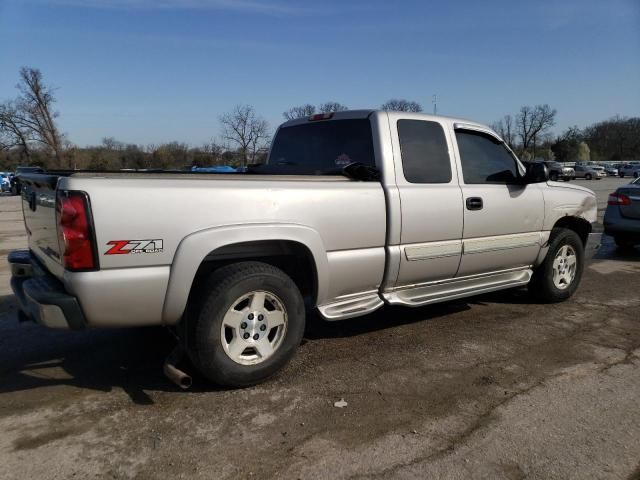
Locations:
(424, 151)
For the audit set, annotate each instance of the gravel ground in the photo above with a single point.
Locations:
(490, 387)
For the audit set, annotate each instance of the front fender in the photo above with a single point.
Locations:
(193, 249)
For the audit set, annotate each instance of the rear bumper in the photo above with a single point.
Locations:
(42, 297)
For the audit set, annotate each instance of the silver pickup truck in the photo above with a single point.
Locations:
(351, 211)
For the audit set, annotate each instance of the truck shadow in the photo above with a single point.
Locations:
(385, 317)
(34, 357)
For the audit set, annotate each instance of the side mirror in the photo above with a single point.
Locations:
(537, 172)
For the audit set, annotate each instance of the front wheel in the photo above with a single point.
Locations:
(553, 177)
(249, 321)
(558, 277)
(587, 176)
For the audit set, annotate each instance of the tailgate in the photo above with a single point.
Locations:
(632, 210)
(39, 210)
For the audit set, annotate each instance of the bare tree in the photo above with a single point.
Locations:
(245, 129)
(35, 112)
(532, 123)
(329, 107)
(12, 135)
(300, 111)
(401, 105)
(505, 127)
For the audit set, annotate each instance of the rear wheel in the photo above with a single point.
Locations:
(623, 243)
(636, 174)
(248, 323)
(558, 277)
(621, 175)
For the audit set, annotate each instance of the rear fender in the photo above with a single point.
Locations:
(193, 249)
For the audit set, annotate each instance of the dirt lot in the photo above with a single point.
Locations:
(492, 387)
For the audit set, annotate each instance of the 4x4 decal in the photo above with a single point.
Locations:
(124, 247)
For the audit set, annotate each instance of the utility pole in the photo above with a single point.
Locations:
(434, 100)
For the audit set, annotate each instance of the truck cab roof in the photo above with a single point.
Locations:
(365, 113)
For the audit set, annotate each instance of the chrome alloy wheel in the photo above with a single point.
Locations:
(253, 328)
(564, 267)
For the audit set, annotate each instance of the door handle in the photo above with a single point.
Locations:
(474, 203)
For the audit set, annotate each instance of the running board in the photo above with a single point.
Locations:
(457, 288)
(351, 307)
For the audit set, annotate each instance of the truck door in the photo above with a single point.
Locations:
(430, 197)
(502, 219)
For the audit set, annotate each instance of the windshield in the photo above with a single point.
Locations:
(320, 148)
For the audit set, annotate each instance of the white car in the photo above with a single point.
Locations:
(611, 171)
(589, 172)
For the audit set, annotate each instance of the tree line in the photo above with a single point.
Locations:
(528, 133)
(29, 135)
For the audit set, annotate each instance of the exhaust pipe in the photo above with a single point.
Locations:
(173, 373)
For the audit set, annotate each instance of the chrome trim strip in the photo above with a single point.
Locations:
(502, 242)
(424, 251)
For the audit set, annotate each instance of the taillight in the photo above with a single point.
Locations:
(75, 234)
(616, 198)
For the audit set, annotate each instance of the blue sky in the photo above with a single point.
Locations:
(150, 71)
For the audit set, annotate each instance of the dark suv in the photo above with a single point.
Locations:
(16, 185)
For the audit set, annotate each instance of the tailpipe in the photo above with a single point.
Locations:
(173, 373)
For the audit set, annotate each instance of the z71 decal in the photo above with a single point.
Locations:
(125, 247)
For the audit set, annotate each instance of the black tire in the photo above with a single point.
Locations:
(623, 243)
(635, 175)
(587, 176)
(215, 297)
(542, 286)
(621, 175)
(553, 177)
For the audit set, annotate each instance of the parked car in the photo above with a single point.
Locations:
(558, 171)
(589, 172)
(16, 183)
(5, 182)
(386, 208)
(629, 170)
(622, 216)
(611, 170)
(216, 169)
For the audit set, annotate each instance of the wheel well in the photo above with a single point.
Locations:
(293, 258)
(579, 225)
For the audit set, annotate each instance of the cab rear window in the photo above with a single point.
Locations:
(321, 148)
